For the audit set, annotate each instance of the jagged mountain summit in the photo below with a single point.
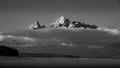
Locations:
(65, 22)
(61, 22)
(36, 25)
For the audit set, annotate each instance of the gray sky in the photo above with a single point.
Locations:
(18, 14)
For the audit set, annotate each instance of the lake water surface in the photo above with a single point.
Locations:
(57, 62)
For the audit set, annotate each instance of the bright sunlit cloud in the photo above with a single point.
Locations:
(113, 31)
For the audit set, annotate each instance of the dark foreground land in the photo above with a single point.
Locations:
(29, 62)
(11, 58)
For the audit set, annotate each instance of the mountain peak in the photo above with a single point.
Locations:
(60, 20)
(65, 22)
(36, 25)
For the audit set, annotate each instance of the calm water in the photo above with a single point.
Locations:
(53, 62)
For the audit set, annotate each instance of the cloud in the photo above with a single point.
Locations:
(113, 31)
(68, 44)
(20, 38)
(16, 40)
(1, 37)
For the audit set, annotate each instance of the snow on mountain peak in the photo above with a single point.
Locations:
(65, 22)
(36, 25)
(59, 22)
(61, 19)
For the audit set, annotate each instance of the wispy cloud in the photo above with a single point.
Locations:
(20, 38)
(68, 44)
(113, 31)
(16, 40)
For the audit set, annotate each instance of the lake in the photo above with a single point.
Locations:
(11, 62)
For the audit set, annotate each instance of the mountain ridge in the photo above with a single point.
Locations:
(64, 22)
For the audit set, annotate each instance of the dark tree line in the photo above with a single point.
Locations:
(8, 51)
(48, 55)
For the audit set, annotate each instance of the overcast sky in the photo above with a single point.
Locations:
(18, 14)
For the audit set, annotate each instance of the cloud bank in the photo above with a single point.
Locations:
(60, 36)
